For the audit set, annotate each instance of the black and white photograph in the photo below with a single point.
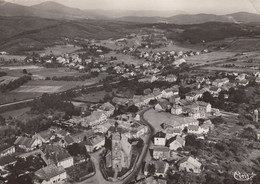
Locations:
(129, 91)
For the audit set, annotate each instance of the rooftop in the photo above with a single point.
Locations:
(49, 172)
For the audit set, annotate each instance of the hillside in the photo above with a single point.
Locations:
(241, 17)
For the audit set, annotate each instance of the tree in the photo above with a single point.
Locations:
(74, 149)
(24, 71)
(151, 169)
(207, 97)
(132, 109)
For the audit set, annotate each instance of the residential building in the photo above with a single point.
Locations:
(167, 93)
(50, 174)
(6, 150)
(175, 142)
(204, 106)
(190, 164)
(174, 99)
(160, 139)
(6, 161)
(28, 143)
(220, 82)
(95, 143)
(108, 109)
(45, 136)
(58, 156)
(161, 152)
(95, 119)
(176, 109)
(170, 132)
(162, 105)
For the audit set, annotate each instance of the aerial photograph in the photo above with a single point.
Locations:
(129, 91)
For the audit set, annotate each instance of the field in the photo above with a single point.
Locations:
(210, 57)
(59, 50)
(36, 88)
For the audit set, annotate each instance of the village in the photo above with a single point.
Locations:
(160, 119)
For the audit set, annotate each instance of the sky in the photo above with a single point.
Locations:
(189, 6)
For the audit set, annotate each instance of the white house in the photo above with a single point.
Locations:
(160, 139)
(190, 165)
(176, 142)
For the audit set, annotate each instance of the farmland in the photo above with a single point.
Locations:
(36, 88)
(58, 50)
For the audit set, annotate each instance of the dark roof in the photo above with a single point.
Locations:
(7, 160)
(4, 147)
(160, 135)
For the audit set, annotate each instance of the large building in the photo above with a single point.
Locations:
(121, 153)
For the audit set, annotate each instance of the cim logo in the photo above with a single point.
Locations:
(239, 176)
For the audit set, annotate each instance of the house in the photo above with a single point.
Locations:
(58, 156)
(174, 99)
(161, 152)
(95, 119)
(175, 142)
(204, 106)
(120, 100)
(76, 138)
(190, 164)
(171, 78)
(241, 77)
(157, 93)
(214, 91)
(207, 126)
(192, 96)
(108, 109)
(162, 105)
(28, 143)
(50, 174)
(59, 132)
(6, 150)
(244, 82)
(136, 130)
(194, 129)
(6, 161)
(161, 168)
(170, 132)
(180, 122)
(167, 93)
(220, 82)
(95, 143)
(160, 139)
(45, 136)
(104, 127)
(176, 109)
